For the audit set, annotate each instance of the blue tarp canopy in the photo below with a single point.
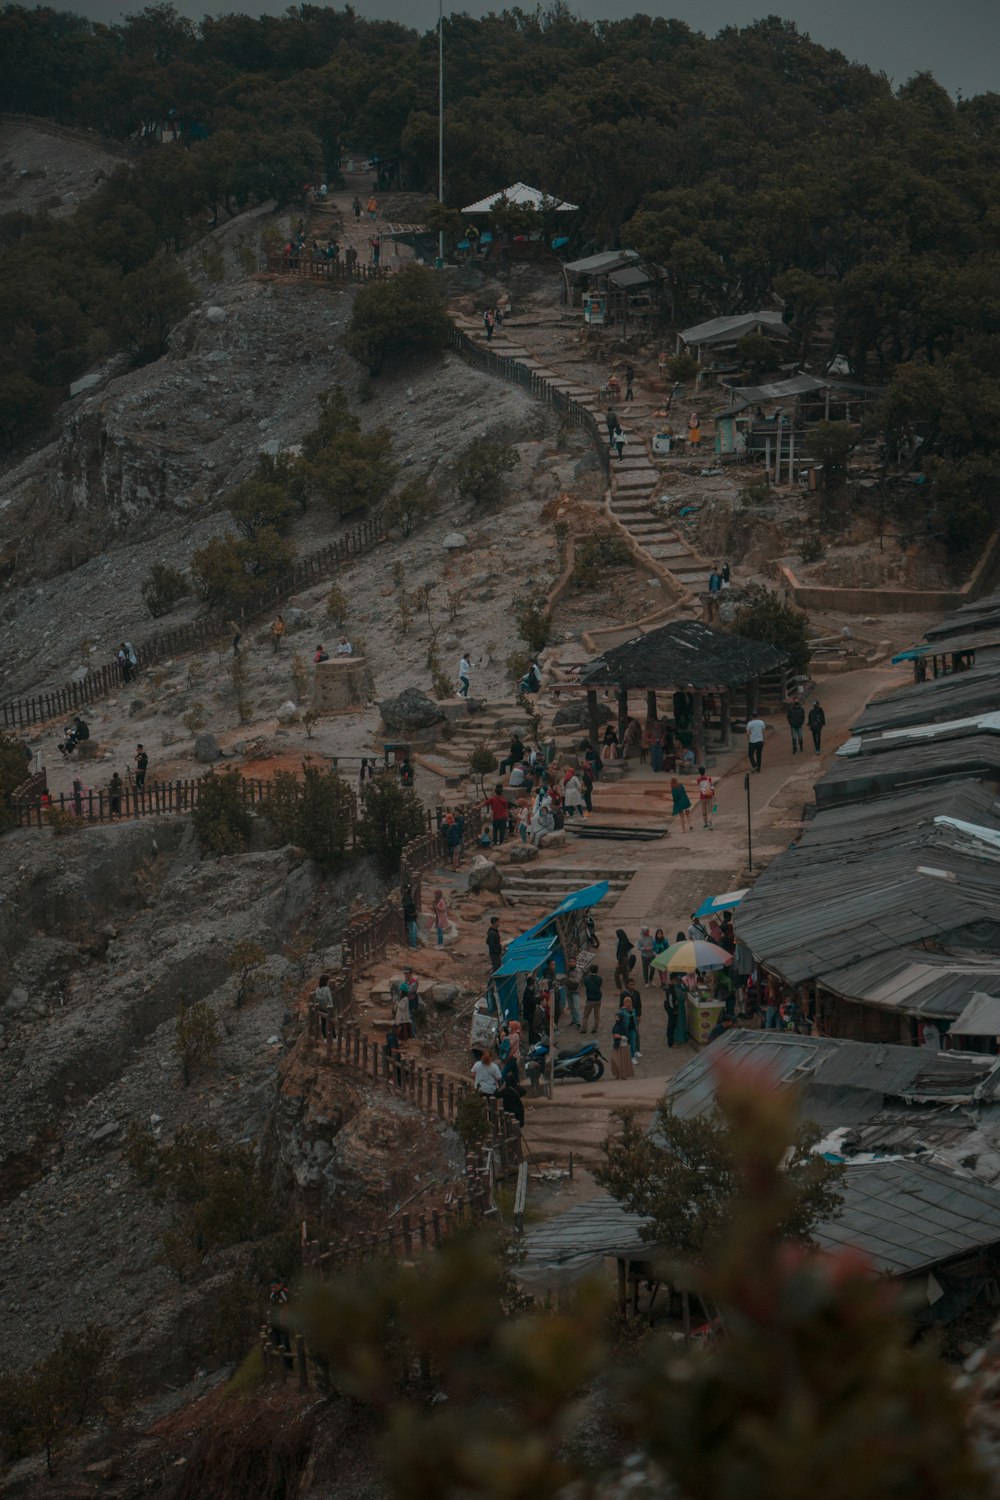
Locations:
(524, 956)
(725, 902)
(588, 895)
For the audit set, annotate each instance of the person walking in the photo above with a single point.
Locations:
(619, 440)
(681, 803)
(706, 797)
(464, 673)
(623, 958)
(629, 382)
(647, 952)
(486, 1075)
(277, 633)
(440, 910)
(494, 944)
(141, 767)
(115, 795)
(489, 324)
(410, 917)
(612, 422)
(621, 1050)
(124, 665)
(816, 721)
(672, 1007)
(756, 730)
(593, 991)
(356, 205)
(574, 981)
(453, 828)
(323, 1001)
(796, 716)
(373, 208)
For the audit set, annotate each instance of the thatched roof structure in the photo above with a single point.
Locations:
(684, 654)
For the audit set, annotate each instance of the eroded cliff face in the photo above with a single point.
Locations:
(142, 450)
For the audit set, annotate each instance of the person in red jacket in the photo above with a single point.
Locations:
(499, 812)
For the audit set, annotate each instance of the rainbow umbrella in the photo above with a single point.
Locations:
(685, 958)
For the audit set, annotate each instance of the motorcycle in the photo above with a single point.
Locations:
(583, 1061)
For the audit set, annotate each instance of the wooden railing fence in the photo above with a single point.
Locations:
(67, 700)
(73, 133)
(318, 268)
(518, 374)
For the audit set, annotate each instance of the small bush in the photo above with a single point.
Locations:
(765, 616)
(471, 1123)
(682, 368)
(231, 571)
(220, 817)
(534, 626)
(63, 823)
(402, 317)
(598, 552)
(40, 1409)
(517, 665)
(162, 588)
(257, 504)
(392, 815)
(481, 471)
(245, 964)
(196, 1038)
(482, 763)
(408, 507)
(194, 719)
(315, 813)
(336, 606)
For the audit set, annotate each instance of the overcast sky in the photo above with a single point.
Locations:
(958, 42)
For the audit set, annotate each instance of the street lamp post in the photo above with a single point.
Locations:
(441, 124)
(746, 788)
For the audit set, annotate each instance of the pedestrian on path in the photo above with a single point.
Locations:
(453, 828)
(681, 803)
(373, 208)
(756, 730)
(356, 205)
(410, 917)
(494, 943)
(464, 671)
(141, 767)
(612, 421)
(621, 1052)
(706, 797)
(277, 633)
(593, 987)
(489, 323)
(796, 716)
(644, 943)
(499, 813)
(629, 382)
(817, 719)
(619, 441)
(440, 909)
(624, 959)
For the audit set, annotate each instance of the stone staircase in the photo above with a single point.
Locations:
(546, 885)
(635, 480)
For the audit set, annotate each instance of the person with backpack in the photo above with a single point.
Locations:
(816, 721)
(706, 797)
(624, 959)
(452, 830)
(796, 716)
(141, 767)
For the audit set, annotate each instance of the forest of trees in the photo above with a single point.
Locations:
(752, 162)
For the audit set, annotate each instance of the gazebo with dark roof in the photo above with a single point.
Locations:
(685, 656)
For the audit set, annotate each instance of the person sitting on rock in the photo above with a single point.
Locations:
(321, 654)
(344, 647)
(74, 734)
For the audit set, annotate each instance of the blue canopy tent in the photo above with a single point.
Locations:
(533, 949)
(726, 902)
(523, 956)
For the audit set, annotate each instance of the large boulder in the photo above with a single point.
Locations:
(454, 541)
(288, 713)
(484, 875)
(297, 619)
(557, 839)
(444, 996)
(411, 709)
(206, 748)
(575, 715)
(522, 854)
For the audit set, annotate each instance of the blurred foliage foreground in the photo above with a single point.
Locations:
(813, 1389)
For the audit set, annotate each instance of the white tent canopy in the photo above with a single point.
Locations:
(981, 1017)
(520, 196)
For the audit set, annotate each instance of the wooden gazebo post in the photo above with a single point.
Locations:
(699, 726)
(622, 712)
(725, 729)
(592, 716)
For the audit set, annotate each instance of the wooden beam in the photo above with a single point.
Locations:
(592, 716)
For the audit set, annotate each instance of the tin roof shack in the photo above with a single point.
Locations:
(980, 614)
(526, 221)
(613, 286)
(958, 652)
(875, 917)
(928, 1225)
(690, 660)
(721, 335)
(941, 700)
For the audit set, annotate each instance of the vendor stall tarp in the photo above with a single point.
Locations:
(981, 1017)
(726, 902)
(588, 895)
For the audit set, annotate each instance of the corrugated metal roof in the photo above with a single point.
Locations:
(957, 696)
(871, 878)
(683, 654)
(603, 263)
(717, 330)
(909, 1216)
(524, 956)
(631, 276)
(842, 1082)
(521, 196)
(779, 390)
(883, 766)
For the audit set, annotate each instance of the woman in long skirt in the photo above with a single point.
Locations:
(621, 1055)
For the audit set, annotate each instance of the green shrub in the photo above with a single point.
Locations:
(596, 553)
(221, 819)
(162, 588)
(391, 816)
(232, 571)
(481, 469)
(336, 606)
(346, 467)
(245, 964)
(534, 626)
(482, 763)
(316, 813)
(40, 1408)
(764, 615)
(408, 506)
(404, 316)
(257, 504)
(196, 1038)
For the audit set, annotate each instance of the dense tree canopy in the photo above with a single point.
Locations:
(746, 164)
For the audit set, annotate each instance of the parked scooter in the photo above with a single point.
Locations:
(584, 1061)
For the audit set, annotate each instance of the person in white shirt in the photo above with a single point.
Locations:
(464, 670)
(486, 1075)
(756, 729)
(344, 647)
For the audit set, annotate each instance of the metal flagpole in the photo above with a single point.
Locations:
(746, 788)
(441, 124)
